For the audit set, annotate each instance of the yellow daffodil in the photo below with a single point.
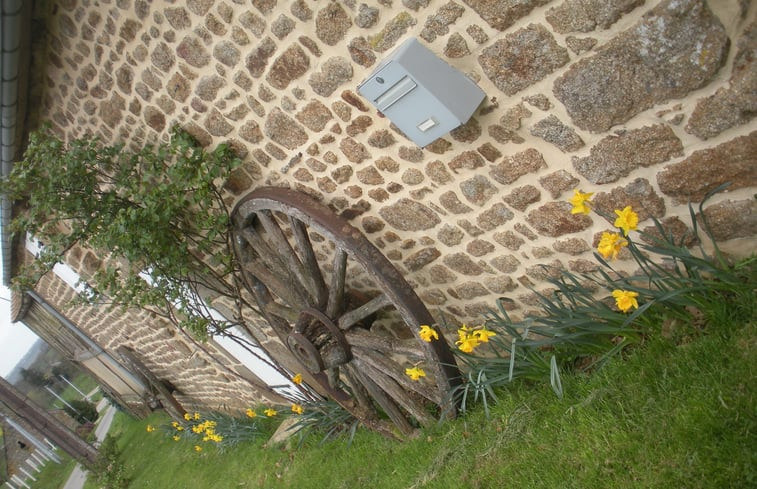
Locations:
(250, 413)
(188, 416)
(297, 379)
(176, 438)
(180, 428)
(610, 245)
(196, 416)
(466, 341)
(297, 409)
(625, 299)
(580, 202)
(627, 220)
(198, 448)
(415, 373)
(483, 335)
(270, 412)
(428, 333)
(150, 428)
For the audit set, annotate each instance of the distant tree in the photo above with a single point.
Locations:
(34, 377)
(82, 411)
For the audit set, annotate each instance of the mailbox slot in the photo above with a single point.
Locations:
(394, 94)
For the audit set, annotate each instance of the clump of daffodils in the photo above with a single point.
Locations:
(611, 243)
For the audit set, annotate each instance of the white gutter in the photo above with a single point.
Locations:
(14, 25)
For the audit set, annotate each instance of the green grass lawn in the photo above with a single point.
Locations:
(670, 413)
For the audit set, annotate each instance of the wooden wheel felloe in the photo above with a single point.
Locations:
(345, 313)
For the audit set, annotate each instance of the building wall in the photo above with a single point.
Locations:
(645, 103)
(205, 376)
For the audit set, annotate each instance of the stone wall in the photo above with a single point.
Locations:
(645, 103)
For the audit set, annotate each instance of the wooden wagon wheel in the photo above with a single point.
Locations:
(346, 314)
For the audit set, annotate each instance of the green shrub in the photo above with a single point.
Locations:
(109, 469)
(82, 411)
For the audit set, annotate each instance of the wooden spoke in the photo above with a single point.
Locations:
(387, 404)
(385, 344)
(405, 398)
(336, 291)
(354, 316)
(313, 271)
(382, 363)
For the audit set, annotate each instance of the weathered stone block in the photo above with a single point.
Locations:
(514, 167)
(677, 47)
(437, 24)
(314, 116)
(639, 194)
(355, 151)
(290, 65)
(554, 131)
(522, 58)
(731, 162)
(478, 190)
(554, 219)
(520, 198)
(451, 202)
(331, 23)
(733, 105)
(467, 160)
(361, 52)
(192, 50)
(585, 16)
(409, 215)
(501, 14)
(392, 32)
(283, 130)
(462, 263)
(617, 156)
(421, 258)
(335, 71)
(731, 219)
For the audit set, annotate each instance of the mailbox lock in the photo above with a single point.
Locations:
(379, 79)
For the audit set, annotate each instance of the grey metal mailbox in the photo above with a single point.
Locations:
(420, 93)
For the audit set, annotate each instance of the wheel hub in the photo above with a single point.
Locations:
(317, 342)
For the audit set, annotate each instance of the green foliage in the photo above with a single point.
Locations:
(325, 419)
(580, 326)
(82, 411)
(110, 470)
(155, 213)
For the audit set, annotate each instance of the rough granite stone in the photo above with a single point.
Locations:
(512, 118)
(412, 176)
(208, 86)
(334, 72)
(470, 290)
(392, 32)
(477, 190)
(227, 53)
(456, 46)
(500, 284)
(283, 130)
(580, 45)
(554, 219)
(354, 150)
(450, 235)
(361, 52)
(253, 23)
(733, 105)
(468, 132)
(411, 154)
(301, 10)
(477, 33)
(282, 26)
(522, 58)
(421, 258)
(452, 203)
(494, 217)
(571, 246)
(639, 194)
(331, 23)
(489, 151)
(552, 130)
(506, 263)
(178, 87)
(731, 219)
(238, 181)
(730, 162)
(314, 116)
(369, 176)
(250, 131)
(257, 60)
(462, 263)
(513, 167)
(382, 138)
(520, 198)
(438, 173)
(409, 215)
(616, 156)
(367, 16)
(111, 110)
(178, 17)
(290, 65)
(677, 47)
(216, 124)
(501, 14)
(558, 182)
(155, 118)
(467, 160)
(372, 224)
(587, 15)
(437, 24)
